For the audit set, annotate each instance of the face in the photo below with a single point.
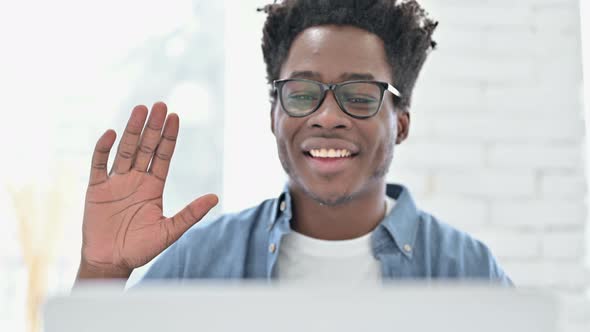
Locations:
(330, 156)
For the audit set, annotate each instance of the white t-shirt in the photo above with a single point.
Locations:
(303, 258)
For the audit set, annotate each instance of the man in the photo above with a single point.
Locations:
(341, 75)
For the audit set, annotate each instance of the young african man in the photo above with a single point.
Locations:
(341, 75)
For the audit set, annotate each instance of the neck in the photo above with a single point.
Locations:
(344, 221)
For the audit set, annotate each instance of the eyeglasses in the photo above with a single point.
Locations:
(359, 99)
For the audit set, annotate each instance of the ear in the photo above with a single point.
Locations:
(272, 117)
(403, 126)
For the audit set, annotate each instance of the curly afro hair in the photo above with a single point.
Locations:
(403, 26)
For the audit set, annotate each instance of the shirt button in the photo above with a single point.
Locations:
(283, 206)
(272, 248)
(407, 248)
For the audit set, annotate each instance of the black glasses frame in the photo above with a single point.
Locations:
(324, 88)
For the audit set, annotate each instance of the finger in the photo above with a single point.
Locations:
(187, 217)
(100, 157)
(128, 143)
(150, 137)
(165, 150)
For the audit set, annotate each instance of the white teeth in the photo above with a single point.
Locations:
(330, 153)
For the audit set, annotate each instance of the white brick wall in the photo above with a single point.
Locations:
(497, 139)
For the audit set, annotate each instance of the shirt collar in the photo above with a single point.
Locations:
(282, 205)
(401, 223)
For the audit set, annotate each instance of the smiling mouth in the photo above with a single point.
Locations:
(327, 161)
(329, 153)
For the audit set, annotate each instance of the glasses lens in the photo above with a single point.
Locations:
(300, 97)
(360, 99)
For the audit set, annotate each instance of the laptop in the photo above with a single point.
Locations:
(292, 307)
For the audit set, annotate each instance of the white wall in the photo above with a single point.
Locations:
(498, 141)
(498, 133)
(252, 171)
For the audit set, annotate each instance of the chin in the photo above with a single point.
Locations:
(333, 200)
(329, 196)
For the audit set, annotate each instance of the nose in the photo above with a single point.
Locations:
(329, 115)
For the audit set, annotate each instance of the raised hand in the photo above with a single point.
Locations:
(123, 225)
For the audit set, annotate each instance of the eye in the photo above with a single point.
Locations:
(359, 99)
(302, 97)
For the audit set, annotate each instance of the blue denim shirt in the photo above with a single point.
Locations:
(408, 243)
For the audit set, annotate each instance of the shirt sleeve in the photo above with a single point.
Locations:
(479, 262)
(497, 273)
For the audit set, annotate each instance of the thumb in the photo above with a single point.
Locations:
(187, 217)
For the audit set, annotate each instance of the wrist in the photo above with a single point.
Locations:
(88, 270)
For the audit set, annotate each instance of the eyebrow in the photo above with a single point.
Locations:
(308, 74)
(357, 76)
(305, 74)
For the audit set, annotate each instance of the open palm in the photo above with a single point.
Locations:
(123, 225)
